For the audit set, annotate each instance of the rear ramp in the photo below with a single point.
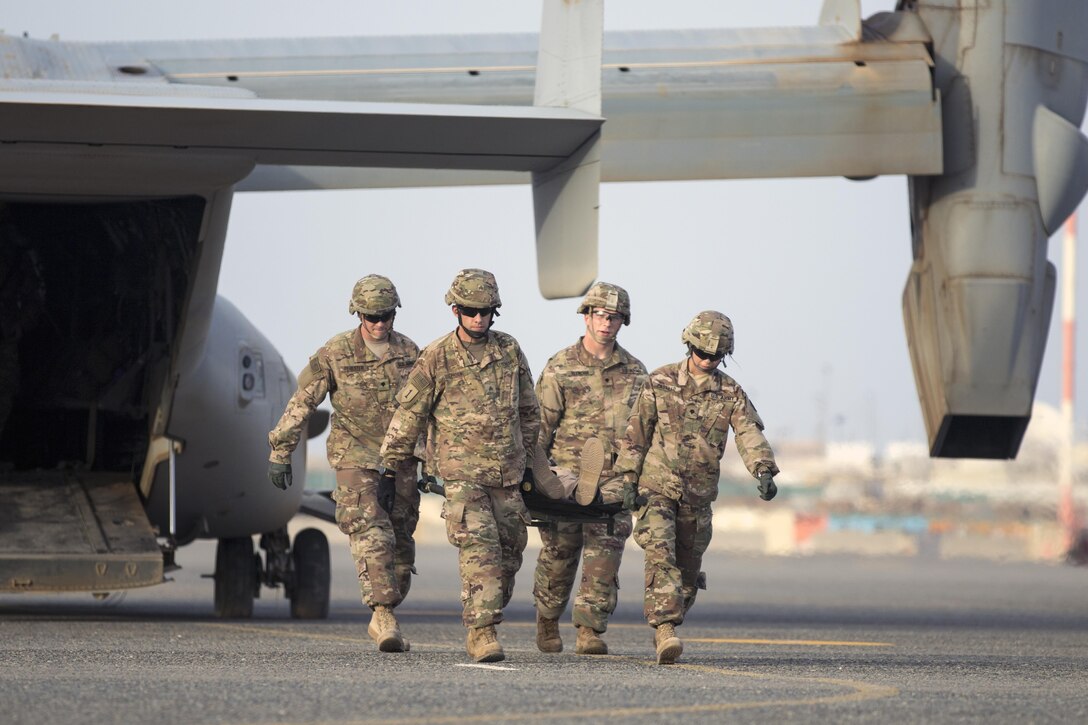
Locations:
(67, 532)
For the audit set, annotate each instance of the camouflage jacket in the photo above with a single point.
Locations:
(483, 415)
(362, 390)
(676, 435)
(581, 396)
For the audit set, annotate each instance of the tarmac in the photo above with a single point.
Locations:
(839, 638)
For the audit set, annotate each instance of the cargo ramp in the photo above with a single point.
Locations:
(73, 531)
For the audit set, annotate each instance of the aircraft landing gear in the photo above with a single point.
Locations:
(236, 578)
(309, 590)
(303, 570)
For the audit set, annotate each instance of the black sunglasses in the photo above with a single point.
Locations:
(384, 317)
(706, 355)
(474, 311)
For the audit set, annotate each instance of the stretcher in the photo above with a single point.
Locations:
(547, 512)
(544, 512)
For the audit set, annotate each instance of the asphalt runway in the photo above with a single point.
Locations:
(832, 639)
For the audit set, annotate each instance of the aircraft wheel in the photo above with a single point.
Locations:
(310, 557)
(236, 578)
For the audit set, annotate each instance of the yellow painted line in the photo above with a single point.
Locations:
(857, 691)
(800, 642)
(446, 70)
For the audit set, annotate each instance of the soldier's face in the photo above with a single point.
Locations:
(603, 326)
(376, 327)
(479, 322)
(703, 364)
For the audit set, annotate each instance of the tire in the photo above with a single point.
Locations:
(310, 559)
(235, 578)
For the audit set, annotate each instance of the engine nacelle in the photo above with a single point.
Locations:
(978, 302)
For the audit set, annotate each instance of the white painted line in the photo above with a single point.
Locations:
(487, 667)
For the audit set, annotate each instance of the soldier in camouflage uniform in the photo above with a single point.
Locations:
(473, 391)
(586, 390)
(671, 452)
(361, 370)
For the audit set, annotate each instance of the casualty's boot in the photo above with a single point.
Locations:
(589, 642)
(483, 645)
(547, 634)
(543, 476)
(385, 631)
(589, 471)
(668, 644)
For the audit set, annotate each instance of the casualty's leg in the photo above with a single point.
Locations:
(544, 478)
(590, 466)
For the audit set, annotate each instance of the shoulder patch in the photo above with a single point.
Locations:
(417, 383)
(311, 372)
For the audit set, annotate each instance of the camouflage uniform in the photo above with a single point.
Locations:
(674, 443)
(582, 397)
(484, 418)
(362, 389)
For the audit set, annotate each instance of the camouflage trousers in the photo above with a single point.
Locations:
(381, 543)
(674, 536)
(487, 525)
(557, 564)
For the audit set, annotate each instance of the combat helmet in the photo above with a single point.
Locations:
(474, 288)
(606, 296)
(710, 332)
(373, 295)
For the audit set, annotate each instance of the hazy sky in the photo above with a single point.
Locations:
(810, 271)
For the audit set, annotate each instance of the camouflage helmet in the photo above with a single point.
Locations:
(474, 288)
(711, 332)
(373, 295)
(605, 296)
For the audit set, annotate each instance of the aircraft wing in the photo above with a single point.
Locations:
(44, 130)
(98, 138)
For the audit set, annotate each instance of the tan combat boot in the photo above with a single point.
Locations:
(483, 645)
(544, 478)
(547, 634)
(385, 631)
(668, 644)
(589, 642)
(590, 466)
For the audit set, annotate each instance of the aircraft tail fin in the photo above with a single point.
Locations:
(566, 197)
(846, 13)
